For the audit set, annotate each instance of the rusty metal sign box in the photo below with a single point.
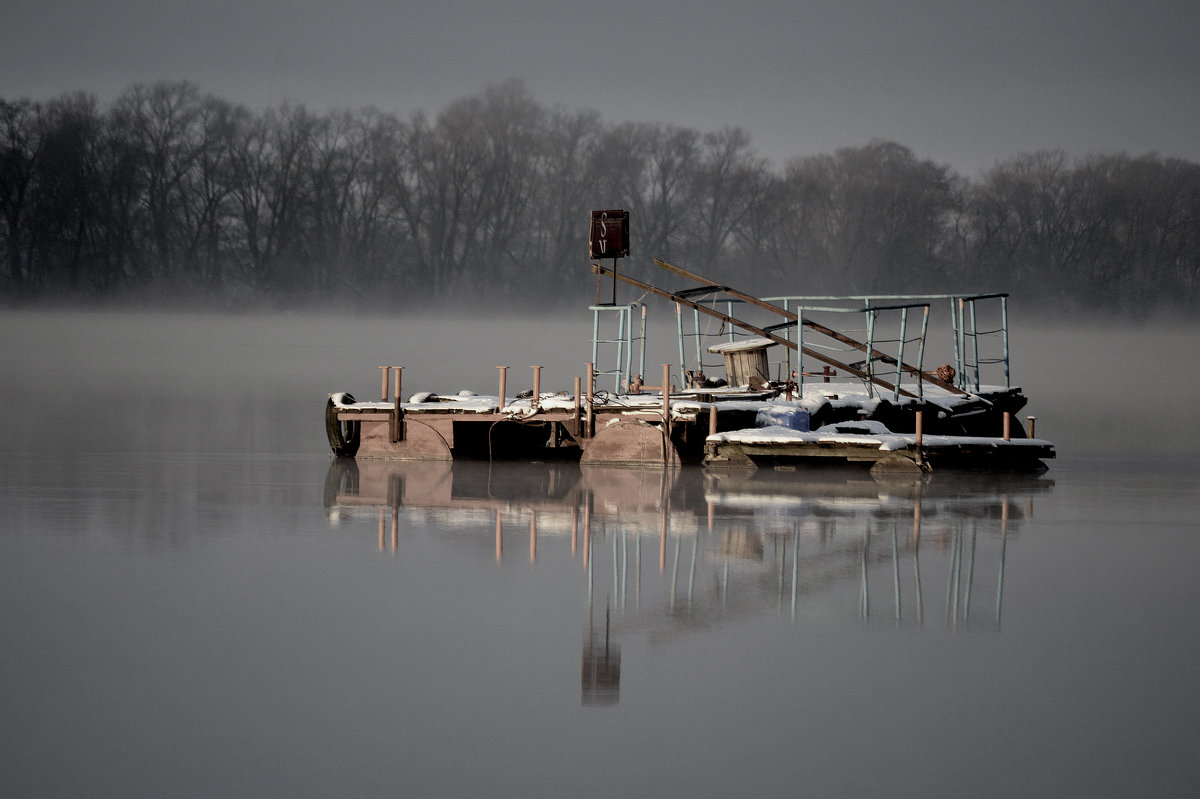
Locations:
(609, 235)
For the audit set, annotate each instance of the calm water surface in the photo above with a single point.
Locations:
(199, 601)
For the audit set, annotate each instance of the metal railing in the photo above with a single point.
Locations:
(613, 351)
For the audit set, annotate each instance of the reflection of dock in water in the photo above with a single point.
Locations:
(682, 548)
(665, 553)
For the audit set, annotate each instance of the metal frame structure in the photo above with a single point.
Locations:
(623, 340)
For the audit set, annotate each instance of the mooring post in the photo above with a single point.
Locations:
(591, 419)
(920, 436)
(1008, 426)
(578, 388)
(537, 387)
(503, 380)
(386, 370)
(1031, 420)
(712, 419)
(666, 394)
(398, 432)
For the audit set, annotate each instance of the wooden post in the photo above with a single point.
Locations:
(384, 391)
(920, 435)
(537, 387)
(1007, 426)
(578, 388)
(503, 380)
(1031, 420)
(666, 394)
(397, 419)
(712, 420)
(591, 418)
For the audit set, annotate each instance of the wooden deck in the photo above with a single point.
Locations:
(717, 429)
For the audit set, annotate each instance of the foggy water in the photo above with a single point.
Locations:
(199, 601)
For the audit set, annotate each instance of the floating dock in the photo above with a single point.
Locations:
(881, 410)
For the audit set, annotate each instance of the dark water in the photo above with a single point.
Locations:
(198, 601)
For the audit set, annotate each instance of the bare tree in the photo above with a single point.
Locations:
(20, 148)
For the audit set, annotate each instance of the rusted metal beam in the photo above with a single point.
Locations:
(601, 270)
(815, 326)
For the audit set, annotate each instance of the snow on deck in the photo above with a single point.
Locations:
(879, 436)
(811, 400)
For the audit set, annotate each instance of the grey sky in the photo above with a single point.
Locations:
(959, 82)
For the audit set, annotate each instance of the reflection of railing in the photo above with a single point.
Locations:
(815, 544)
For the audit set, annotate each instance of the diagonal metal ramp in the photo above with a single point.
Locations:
(792, 319)
(708, 288)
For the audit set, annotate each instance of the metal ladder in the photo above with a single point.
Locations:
(616, 347)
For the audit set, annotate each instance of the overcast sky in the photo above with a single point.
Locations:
(962, 83)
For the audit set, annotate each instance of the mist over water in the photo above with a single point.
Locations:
(199, 601)
(1097, 389)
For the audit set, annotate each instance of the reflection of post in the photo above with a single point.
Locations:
(533, 536)
(864, 595)
(600, 668)
(616, 571)
(624, 590)
(637, 572)
(692, 573)
(1003, 547)
(795, 563)
(587, 531)
(662, 539)
(970, 573)
(674, 573)
(917, 556)
(395, 528)
(574, 529)
(896, 568)
(381, 525)
(952, 577)
(499, 536)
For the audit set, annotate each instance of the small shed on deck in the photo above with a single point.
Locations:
(744, 358)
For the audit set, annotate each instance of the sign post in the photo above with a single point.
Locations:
(609, 238)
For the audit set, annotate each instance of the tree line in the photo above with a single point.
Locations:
(170, 192)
